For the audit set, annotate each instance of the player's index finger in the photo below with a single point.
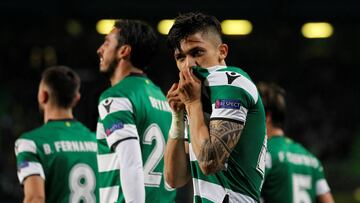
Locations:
(188, 76)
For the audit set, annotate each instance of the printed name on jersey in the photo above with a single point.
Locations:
(159, 104)
(227, 104)
(115, 126)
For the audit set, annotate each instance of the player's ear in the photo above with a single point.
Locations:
(76, 99)
(124, 51)
(268, 118)
(223, 51)
(43, 94)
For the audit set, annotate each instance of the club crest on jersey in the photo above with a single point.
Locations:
(227, 104)
(22, 165)
(115, 126)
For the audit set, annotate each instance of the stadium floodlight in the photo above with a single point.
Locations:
(104, 26)
(164, 26)
(236, 27)
(317, 30)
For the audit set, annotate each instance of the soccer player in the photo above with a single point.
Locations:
(134, 119)
(292, 173)
(57, 161)
(227, 143)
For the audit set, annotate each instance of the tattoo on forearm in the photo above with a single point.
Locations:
(224, 135)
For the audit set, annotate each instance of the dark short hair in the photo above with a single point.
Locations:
(63, 82)
(190, 23)
(273, 97)
(141, 37)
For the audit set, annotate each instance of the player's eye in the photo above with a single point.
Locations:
(179, 57)
(197, 53)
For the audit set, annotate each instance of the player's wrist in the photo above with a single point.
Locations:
(177, 127)
(193, 106)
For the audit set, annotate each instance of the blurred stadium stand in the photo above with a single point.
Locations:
(319, 75)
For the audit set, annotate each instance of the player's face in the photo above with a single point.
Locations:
(107, 52)
(200, 49)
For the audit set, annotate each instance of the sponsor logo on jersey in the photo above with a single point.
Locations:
(115, 126)
(231, 76)
(227, 104)
(107, 104)
(22, 165)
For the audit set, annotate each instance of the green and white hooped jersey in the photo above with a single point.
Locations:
(229, 94)
(63, 153)
(292, 173)
(135, 108)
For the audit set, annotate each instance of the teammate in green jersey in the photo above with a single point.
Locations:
(57, 161)
(134, 119)
(292, 173)
(225, 118)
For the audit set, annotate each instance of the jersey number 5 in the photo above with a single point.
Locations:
(301, 183)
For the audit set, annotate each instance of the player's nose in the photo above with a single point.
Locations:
(190, 62)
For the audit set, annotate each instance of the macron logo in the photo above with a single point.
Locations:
(107, 105)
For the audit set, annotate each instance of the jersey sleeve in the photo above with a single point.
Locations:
(232, 95)
(27, 159)
(117, 116)
(321, 184)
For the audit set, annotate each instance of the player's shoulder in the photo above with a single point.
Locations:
(231, 78)
(35, 133)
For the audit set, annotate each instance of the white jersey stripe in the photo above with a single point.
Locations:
(322, 187)
(108, 162)
(24, 145)
(191, 153)
(109, 194)
(219, 78)
(216, 193)
(100, 131)
(29, 168)
(129, 130)
(114, 104)
(234, 114)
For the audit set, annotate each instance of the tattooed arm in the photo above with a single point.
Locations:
(213, 146)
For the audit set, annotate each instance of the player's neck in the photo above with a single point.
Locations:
(55, 113)
(274, 131)
(124, 69)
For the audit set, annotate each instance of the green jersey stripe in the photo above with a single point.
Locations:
(114, 104)
(107, 179)
(30, 168)
(26, 156)
(117, 118)
(25, 145)
(108, 162)
(102, 147)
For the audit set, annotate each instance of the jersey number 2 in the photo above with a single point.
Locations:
(152, 178)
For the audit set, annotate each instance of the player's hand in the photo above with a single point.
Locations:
(174, 99)
(189, 87)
